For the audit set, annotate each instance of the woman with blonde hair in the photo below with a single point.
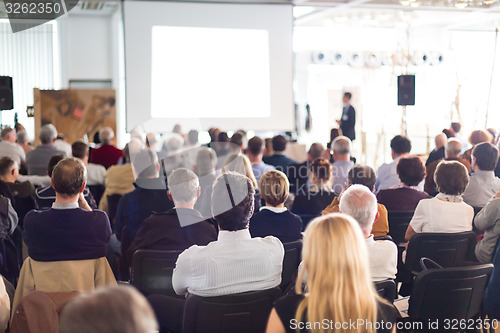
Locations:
(340, 294)
(241, 164)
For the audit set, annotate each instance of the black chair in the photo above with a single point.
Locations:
(245, 312)
(152, 271)
(448, 294)
(97, 192)
(398, 223)
(446, 249)
(113, 201)
(386, 289)
(291, 261)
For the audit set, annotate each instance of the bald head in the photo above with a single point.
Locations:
(69, 177)
(440, 140)
(453, 148)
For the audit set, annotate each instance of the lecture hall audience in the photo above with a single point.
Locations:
(361, 204)
(387, 175)
(411, 172)
(274, 219)
(38, 159)
(106, 154)
(335, 260)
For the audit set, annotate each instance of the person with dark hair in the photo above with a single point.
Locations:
(406, 197)
(149, 196)
(348, 120)
(363, 175)
(476, 137)
(95, 172)
(274, 219)
(278, 159)
(438, 152)
(254, 152)
(447, 212)
(46, 196)
(387, 175)
(70, 230)
(176, 228)
(236, 143)
(320, 192)
(298, 174)
(483, 183)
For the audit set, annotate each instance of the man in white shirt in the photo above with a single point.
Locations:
(253, 263)
(95, 172)
(361, 204)
(9, 148)
(341, 147)
(387, 175)
(483, 184)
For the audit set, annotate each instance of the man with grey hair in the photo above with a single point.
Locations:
(37, 160)
(451, 153)
(361, 204)
(9, 148)
(106, 154)
(179, 227)
(341, 147)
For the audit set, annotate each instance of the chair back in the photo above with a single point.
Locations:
(97, 192)
(291, 261)
(449, 293)
(152, 271)
(386, 289)
(446, 249)
(245, 312)
(398, 223)
(113, 201)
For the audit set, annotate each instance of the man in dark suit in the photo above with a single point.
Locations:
(348, 120)
(279, 160)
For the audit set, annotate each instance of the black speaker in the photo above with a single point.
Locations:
(406, 90)
(6, 96)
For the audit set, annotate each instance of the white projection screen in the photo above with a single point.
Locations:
(206, 65)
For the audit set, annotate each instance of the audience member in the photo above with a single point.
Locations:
(62, 145)
(274, 219)
(475, 138)
(95, 172)
(363, 175)
(9, 148)
(106, 154)
(151, 140)
(341, 147)
(320, 192)
(236, 142)
(491, 298)
(452, 153)
(23, 193)
(361, 204)
(411, 172)
(46, 196)
(456, 127)
(206, 162)
(255, 153)
(70, 230)
(488, 221)
(241, 164)
(112, 310)
(335, 260)
(148, 197)
(191, 149)
(38, 159)
(278, 159)
(387, 175)
(180, 227)
(447, 212)
(298, 173)
(23, 141)
(118, 179)
(438, 152)
(171, 155)
(483, 183)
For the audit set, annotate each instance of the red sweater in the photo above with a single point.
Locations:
(106, 155)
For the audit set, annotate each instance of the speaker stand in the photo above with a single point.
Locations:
(404, 127)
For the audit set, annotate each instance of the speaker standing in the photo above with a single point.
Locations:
(348, 120)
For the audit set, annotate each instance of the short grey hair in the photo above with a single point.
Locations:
(48, 133)
(206, 161)
(453, 148)
(22, 136)
(145, 163)
(6, 132)
(361, 204)
(173, 143)
(183, 185)
(106, 134)
(341, 145)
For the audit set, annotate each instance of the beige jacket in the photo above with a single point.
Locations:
(119, 179)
